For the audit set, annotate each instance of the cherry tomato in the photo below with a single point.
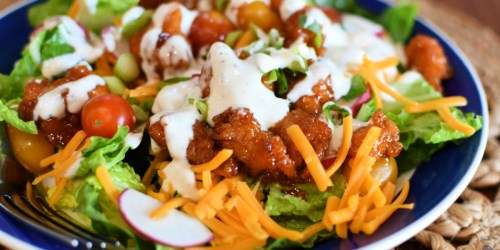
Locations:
(387, 169)
(259, 14)
(102, 115)
(29, 149)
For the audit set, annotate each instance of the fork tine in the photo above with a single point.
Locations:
(64, 220)
(10, 208)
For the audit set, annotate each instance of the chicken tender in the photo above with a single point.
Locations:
(387, 144)
(426, 56)
(316, 130)
(259, 151)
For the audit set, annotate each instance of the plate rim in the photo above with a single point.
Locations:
(408, 231)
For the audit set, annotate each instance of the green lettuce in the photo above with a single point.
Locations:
(104, 13)
(12, 118)
(280, 204)
(399, 21)
(41, 12)
(296, 213)
(104, 152)
(105, 10)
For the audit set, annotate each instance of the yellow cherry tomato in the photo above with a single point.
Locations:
(29, 149)
(259, 14)
(387, 168)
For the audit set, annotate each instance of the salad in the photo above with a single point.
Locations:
(227, 124)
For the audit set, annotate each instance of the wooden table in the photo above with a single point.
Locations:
(485, 11)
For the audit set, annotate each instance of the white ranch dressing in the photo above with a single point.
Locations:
(147, 49)
(237, 84)
(172, 98)
(321, 70)
(132, 14)
(178, 128)
(174, 51)
(289, 7)
(333, 33)
(56, 65)
(164, 10)
(76, 37)
(69, 97)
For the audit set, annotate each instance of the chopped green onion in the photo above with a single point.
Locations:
(314, 27)
(115, 85)
(282, 83)
(136, 25)
(275, 39)
(127, 68)
(299, 66)
(173, 81)
(233, 37)
(329, 107)
(358, 87)
(271, 76)
(201, 105)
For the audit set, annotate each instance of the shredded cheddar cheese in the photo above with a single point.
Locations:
(454, 123)
(452, 101)
(57, 192)
(311, 159)
(213, 164)
(144, 91)
(74, 10)
(107, 183)
(168, 206)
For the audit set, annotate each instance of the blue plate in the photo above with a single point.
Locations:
(435, 185)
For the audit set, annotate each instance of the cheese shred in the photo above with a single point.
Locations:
(311, 159)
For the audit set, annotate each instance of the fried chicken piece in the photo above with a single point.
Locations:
(259, 151)
(323, 93)
(426, 56)
(316, 130)
(201, 148)
(157, 133)
(57, 131)
(387, 144)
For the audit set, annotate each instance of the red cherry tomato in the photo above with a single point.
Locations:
(102, 115)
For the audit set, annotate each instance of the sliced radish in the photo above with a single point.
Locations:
(176, 229)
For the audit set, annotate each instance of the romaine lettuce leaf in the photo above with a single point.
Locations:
(96, 19)
(54, 45)
(12, 118)
(280, 204)
(399, 21)
(104, 152)
(102, 16)
(40, 12)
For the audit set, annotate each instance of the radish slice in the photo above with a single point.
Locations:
(176, 229)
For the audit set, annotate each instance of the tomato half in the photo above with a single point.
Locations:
(102, 115)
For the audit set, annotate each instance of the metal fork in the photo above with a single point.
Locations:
(35, 213)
